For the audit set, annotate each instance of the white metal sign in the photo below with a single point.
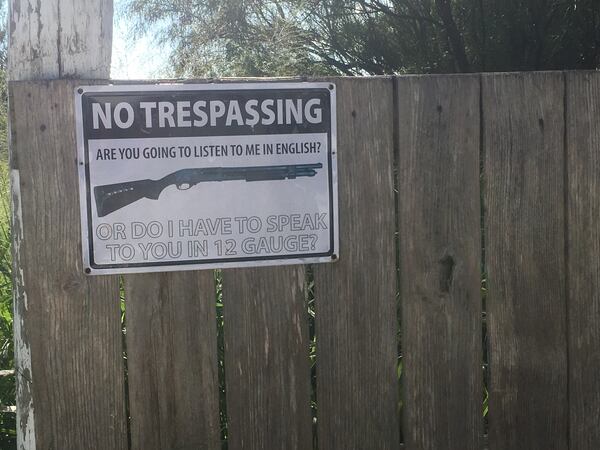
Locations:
(182, 176)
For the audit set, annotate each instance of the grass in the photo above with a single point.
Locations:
(7, 383)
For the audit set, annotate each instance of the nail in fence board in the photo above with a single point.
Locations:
(172, 361)
(524, 205)
(357, 386)
(69, 323)
(583, 214)
(440, 249)
(267, 367)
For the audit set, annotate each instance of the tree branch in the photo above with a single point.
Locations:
(376, 6)
(457, 44)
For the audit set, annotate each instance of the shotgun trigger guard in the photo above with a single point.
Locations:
(184, 186)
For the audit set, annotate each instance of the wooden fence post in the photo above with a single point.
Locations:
(70, 383)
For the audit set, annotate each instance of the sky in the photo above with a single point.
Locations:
(135, 59)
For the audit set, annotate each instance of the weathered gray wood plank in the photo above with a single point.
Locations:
(357, 387)
(67, 325)
(172, 361)
(523, 118)
(266, 358)
(583, 214)
(32, 53)
(440, 249)
(82, 24)
(60, 38)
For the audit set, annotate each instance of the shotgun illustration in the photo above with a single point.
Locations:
(112, 197)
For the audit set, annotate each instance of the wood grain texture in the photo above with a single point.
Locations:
(60, 38)
(440, 249)
(82, 25)
(523, 116)
(357, 386)
(33, 49)
(53, 303)
(70, 323)
(172, 361)
(267, 368)
(583, 213)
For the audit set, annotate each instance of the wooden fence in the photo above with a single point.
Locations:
(443, 181)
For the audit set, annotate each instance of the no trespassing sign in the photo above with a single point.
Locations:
(183, 176)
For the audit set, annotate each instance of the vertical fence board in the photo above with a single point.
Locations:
(70, 322)
(440, 249)
(524, 203)
(266, 358)
(583, 213)
(172, 361)
(357, 387)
